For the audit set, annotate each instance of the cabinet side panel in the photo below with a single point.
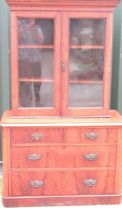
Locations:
(119, 164)
(6, 159)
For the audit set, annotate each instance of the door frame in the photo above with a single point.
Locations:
(26, 111)
(87, 111)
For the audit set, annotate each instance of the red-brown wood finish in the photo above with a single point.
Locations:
(74, 170)
(83, 111)
(60, 200)
(61, 155)
(62, 183)
(63, 135)
(14, 64)
(103, 135)
(86, 3)
(61, 11)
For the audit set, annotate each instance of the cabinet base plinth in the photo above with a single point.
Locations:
(60, 200)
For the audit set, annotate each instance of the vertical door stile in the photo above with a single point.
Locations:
(107, 62)
(57, 60)
(14, 60)
(65, 58)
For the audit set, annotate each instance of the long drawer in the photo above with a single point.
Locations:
(63, 135)
(63, 156)
(62, 183)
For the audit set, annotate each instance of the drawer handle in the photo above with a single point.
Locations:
(91, 136)
(90, 182)
(34, 157)
(36, 184)
(91, 157)
(37, 136)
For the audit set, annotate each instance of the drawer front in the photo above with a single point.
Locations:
(90, 135)
(62, 183)
(36, 135)
(63, 156)
(66, 135)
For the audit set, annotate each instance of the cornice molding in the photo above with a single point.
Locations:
(83, 3)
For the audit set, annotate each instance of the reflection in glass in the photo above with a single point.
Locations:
(86, 64)
(85, 95)
(36, 63)
(37, 31)
(35, 94)
(87, 31)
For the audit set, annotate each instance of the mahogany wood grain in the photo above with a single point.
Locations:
(118, 176)
(63, 156)
(48, 135)
(64, 135)
(62, 173)
(6, 160)
(62, 183)
(77, 135)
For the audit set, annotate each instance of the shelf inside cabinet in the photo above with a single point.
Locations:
(85, 81)
(35, 80)
(86, 47)
(36, 46)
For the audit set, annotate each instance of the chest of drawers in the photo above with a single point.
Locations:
(61, 161)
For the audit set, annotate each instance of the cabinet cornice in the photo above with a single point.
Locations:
(83, 3)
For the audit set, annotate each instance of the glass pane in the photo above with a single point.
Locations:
(35, 31)
(85, 95)
(87, 31)
(36, 63)
(86, 64)
(36, 94)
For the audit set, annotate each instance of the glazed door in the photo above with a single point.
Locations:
(86, 63)
(36, 74)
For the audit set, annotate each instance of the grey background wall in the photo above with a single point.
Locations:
(5, 102)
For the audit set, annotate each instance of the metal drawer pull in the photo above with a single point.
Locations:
(91, 157)
(90, 182)
(36, 184)
(34, 157)
(37, 136)
(91, 136)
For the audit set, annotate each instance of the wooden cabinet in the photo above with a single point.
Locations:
(61, 142)
(64, 161)
(63, 62)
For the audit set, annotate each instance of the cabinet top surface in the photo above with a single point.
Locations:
(105, 3)
(114, 119)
